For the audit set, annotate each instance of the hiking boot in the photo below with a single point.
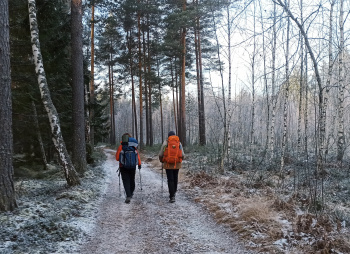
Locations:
(127, 200)
(172, 200)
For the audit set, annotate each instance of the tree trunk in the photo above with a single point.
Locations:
(160, 103)
(229, 82)
(174, 102)
(341, 137)
(69, 171)
(198, 84)
(300, 106)
(113, 114)
(149, 87)
(306, 117)
(252, 126)
(146, 81)
(183, 84)
(111, 103)
(201, 110)
(140, 78)
(92, 77)
(273, 88)
(7, 190)
(301, 87)
(265, 84)
(224, 114)
(79, 145)
(321, 133)
(285, 106)
(134, 122)
(330, 67)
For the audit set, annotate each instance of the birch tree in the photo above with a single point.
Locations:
(273, 84)
(300, 83)
(69, 170)
(285, 112)
(253, 62)
(7, 190)
(321, 126)
(223, 114)
(341, 88)
(330, 64)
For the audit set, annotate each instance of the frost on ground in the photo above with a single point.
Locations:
(93, 218)
(268, 221)
(51, 218)
(150, 224)
(212, 214)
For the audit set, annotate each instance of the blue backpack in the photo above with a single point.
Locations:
(128, 155)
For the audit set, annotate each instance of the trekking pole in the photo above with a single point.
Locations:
(140, 178)
(120, 193)
(162, 178)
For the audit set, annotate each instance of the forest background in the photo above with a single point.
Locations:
(260, 87)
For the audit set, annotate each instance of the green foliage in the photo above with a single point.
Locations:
(54, 32)
(101, 120)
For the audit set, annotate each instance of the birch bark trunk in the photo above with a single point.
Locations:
(330, 68)
(341, 137)
(229, 83)
(69, 171)
(300, 85)
(224, 113)
(252, 126)
(273, 88)
(285, 109)
(321, 133)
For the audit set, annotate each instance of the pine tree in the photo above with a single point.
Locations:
(7, 191)
(79, 146)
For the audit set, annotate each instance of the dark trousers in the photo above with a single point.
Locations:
(172, 175)
(128, 177)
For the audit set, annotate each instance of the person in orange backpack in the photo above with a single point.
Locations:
(171, 155)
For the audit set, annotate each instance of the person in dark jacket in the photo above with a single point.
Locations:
(128, 174)
(172, 169)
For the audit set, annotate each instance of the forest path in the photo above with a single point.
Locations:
(150, 224)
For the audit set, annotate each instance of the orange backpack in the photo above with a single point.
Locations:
(173, 153)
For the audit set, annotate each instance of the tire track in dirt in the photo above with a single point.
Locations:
(150, 224)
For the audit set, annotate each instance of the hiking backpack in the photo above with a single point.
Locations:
(173, 153)
(128, 154)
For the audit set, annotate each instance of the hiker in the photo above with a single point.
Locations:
(172, 154)
(128, 158)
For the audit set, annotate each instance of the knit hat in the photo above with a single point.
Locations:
(171, 133)
(125, 137)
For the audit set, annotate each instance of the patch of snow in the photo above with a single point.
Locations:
(281, 242)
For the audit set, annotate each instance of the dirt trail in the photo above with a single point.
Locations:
(150, 224)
